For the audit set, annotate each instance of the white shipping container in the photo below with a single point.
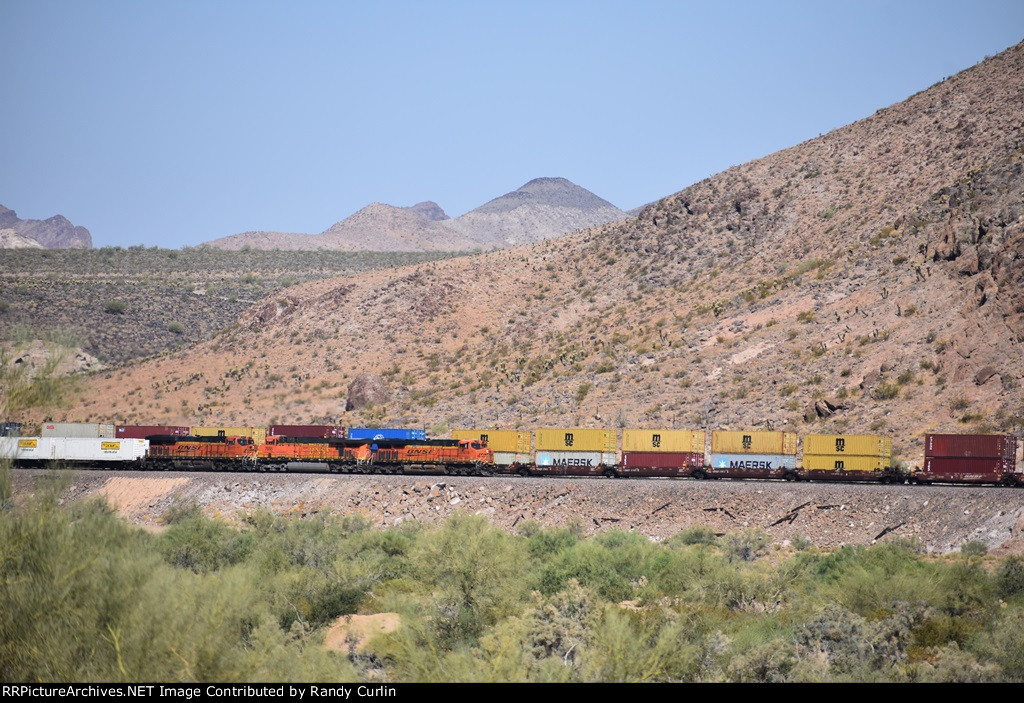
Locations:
(45, 449)
(509, 458)
(766, 462)
(576, 459)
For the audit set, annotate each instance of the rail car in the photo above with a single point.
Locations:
(578, 452)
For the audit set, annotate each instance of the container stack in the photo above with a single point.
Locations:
(662, 452)
(741, 454)
(575, 451)
(859, 456)
(510, 447)
(969, 458)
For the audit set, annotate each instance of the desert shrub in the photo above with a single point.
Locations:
(115, 307)
(1010, 577)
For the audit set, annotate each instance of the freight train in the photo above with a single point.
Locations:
(666, 453)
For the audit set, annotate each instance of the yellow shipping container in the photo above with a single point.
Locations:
(751, 442)
(576, 439)
(258, 434)
(844, 462)
(848, 444)
(498, 440)
(663, 441)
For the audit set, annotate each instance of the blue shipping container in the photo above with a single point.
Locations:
(385, 433)
(10, 429)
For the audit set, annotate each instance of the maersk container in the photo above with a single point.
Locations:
(988, 446)
(385, 433)
(576, 439)
(321, 431)
(258, 434)
(143, 431)
(504, 441)
(675, 441)
(81, 430)
(96, 449)
(848, 445)
(752, 442)
(660, 463)
(574, 463)
(768, 464)
(968, 470)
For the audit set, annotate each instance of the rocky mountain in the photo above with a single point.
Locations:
(541, 209)
(53, 233)
(867, 280)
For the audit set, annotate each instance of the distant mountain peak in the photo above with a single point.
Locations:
(56, 232)
(428, 210)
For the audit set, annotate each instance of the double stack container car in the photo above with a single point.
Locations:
(669, 453)
(956, 458)
(575, 451)
(750, 454)
(849, 457)
(511, 447)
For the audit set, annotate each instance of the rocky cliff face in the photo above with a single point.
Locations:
(53, 233)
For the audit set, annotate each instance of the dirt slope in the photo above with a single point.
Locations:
(866, 280)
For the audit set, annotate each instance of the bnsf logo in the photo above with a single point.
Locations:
(840, 445)
(656, 441)
(748, 441)
(568, 439)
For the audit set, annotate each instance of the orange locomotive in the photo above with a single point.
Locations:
(455, 456)
(232, 453)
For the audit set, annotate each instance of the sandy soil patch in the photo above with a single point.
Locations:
(360, 628)
(131, 495)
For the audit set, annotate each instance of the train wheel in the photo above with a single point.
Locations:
(523, 471)
(610, 473)
(699, 475)
(790, 476)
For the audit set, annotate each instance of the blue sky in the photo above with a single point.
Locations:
(174, 123)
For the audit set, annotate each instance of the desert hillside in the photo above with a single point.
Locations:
(541, 209)
(865, 280)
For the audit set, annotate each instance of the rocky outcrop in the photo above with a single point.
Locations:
(365, 391)
(53, 233)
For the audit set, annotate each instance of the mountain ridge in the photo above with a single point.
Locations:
(540, 209)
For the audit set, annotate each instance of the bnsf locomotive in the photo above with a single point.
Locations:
(670, 453)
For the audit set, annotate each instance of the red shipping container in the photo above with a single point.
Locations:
(660, 463)
(987, 446)
(324, 431)
(967, 469)
(143, 431)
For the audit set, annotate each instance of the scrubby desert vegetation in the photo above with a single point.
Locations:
(86, 597)
(120, 304)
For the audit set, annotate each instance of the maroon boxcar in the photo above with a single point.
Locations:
(659, 463)
(321, 431)
(987, 446)
(143, 431)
